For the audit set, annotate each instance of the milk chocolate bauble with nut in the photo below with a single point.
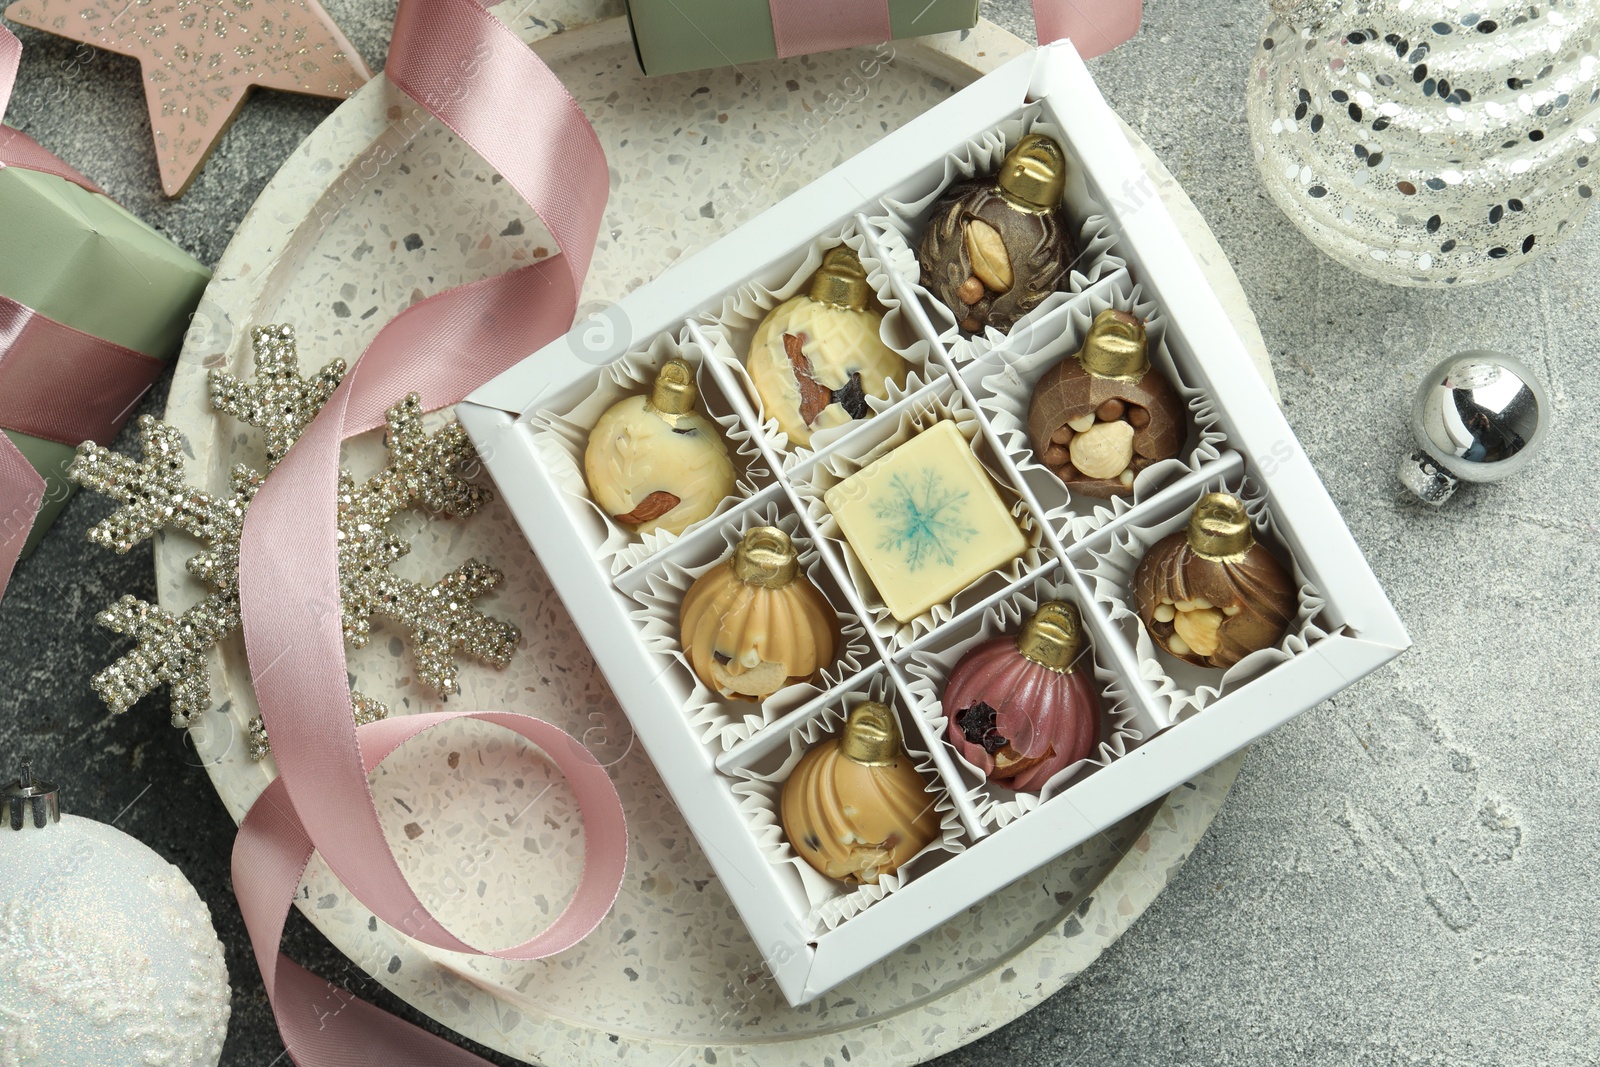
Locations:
(1101, 416)
(655, 463)
(1019, 708)
(816, 357)
(1210, 594)
(753, 623)
(997, 246)
(854, 807)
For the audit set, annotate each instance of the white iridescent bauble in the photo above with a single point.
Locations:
(107, 955)
(1429, 142)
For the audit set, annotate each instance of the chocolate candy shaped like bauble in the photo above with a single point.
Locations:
(996, 247)
(1100, 417)
(816, 357)
(1429, 142)
(108, 955)
(1210, 594)
(654, 462)
(753, 623)
(854, 807)
(1020, 710)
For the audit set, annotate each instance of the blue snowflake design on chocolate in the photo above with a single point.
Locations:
(925, 517)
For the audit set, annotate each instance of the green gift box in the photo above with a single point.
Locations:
(81, 259)
(671, 36)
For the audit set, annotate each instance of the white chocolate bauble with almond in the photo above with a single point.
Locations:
(816, 357)
(653, 462)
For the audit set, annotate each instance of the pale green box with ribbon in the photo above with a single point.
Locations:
(671, 36)
(82, 260)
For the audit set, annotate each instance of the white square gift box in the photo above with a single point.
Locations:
(724, 762)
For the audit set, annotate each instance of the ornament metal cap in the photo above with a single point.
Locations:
(841, 280)
(1220, 529)
(29, 800)
(1117, 347)
(871, 735)
(766, 558)
(1053, 637)
(1033, 176)
(674, 392)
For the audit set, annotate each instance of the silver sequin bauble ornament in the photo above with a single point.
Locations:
(1478, 417)
(1429, 142)
(107, 955)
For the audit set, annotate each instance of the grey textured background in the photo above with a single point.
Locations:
(1406, 875)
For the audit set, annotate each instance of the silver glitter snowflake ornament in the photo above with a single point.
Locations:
(279, 402)
(424, 469)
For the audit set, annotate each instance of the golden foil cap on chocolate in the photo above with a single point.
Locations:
(1116, 347)
(766, 557)
(871, 735)
(674, 392)
(841, 280)
(1033, 175)
(1220, 529)
(1053, 637)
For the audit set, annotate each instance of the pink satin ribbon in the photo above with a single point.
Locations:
(474, 74)
(21, 496)
(1093, 26)
(800, 27)
(21, 487)
(62, 384)
(17, 149)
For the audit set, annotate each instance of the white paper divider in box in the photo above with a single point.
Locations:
(776, 733)
(907, 166)
(1111, 637)
(722, 721)
(1188, 488)
(852, 592)
(561, 428)
(1007, 374)
(1187, 687)
(760, 786)
(929, 668)
(877, 440)
(728, 332)
(899, 225)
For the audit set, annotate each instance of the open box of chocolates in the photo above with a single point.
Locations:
(932, 522)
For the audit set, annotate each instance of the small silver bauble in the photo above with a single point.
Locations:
(1478, 417)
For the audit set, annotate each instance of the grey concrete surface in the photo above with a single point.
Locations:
(1406, 875)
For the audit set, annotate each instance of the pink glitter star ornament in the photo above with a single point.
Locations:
(201, 58)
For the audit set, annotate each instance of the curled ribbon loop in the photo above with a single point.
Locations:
(472, 73)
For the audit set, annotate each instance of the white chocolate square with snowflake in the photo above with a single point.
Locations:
(926, 521)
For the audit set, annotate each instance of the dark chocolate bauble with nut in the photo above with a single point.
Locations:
(997, 246)
(1210, 594)
(1101, 416)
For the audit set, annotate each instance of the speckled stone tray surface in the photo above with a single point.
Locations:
(376, 211)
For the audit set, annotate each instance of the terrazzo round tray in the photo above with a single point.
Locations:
(375, 211)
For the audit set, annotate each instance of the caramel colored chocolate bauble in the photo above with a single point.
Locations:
(1102, 415)
(816, 357)
(753, 623)
(1210, 594)
(854, 807)
(1018, 707)
(654, 462)
(997, 246)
